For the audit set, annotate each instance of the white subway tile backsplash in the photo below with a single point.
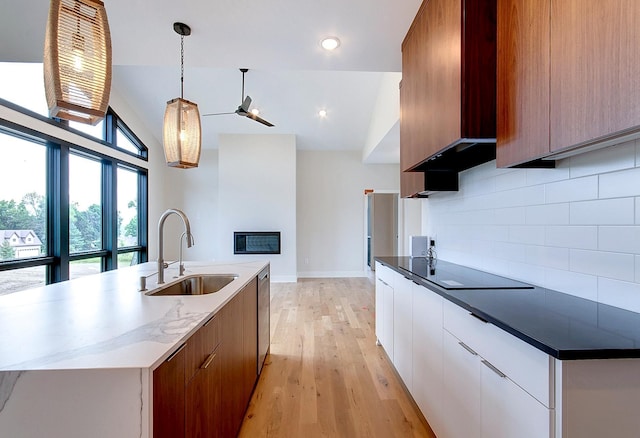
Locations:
(603, 264)
(510, 216)
(543, 176)
(549, 214)
(619, 294)
(572, 237)
(527, 234)
(510, 180)
(603, 212)
(575, 228)
(579, 285)
(619, 239)
(509, 251)
(624, 183)
(579, 189)
(525, 272)
(548, 256)
(618, 157)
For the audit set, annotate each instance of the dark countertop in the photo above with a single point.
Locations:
(562, 325)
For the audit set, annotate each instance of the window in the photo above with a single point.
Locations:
(66, 210)
(23, 219)
(96, 131)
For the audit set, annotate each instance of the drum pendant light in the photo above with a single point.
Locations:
(182, 132)
(77, 60)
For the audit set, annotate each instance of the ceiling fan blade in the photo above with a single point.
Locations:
(246, 103)
(259, 119)
(216, 114)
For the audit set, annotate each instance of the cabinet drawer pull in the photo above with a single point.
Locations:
(479, 317)
(466, 347)
(494, 369)
(207, 362)
(383, 282)
(176, 352)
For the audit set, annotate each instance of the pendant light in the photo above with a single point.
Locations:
(182, 134)
(77, 60)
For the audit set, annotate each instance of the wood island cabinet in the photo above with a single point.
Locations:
(203, 389)
(568, 76)
(169, 396)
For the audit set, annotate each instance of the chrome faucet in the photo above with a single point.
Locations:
(187, 231)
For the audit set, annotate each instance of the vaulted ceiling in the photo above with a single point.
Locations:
(290, 78)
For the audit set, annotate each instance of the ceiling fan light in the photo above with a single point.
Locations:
(77, 60)
(182, 134)
(255, 111)
(330, 43)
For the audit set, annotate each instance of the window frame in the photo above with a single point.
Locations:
(58, 257)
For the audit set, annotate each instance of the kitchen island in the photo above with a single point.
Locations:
(77, 358)
(515, 359)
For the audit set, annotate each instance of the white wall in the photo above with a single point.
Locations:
(257, 192)
(575, 229)
(331, 223)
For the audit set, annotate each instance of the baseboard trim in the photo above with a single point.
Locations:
(331, 274)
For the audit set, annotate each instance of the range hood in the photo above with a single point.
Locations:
(441, 170)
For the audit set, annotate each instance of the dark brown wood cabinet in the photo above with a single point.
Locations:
(203, 400)
(568, 76)
(523, 81)
(169, 396)
(250, 340)
(448, 89)
(240, 355)
(203, 391)
(204, 388)
(595, 70)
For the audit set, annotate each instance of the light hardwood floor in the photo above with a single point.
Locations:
(325, 376)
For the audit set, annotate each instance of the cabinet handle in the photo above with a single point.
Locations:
(466, 347)
(176, 352)
(383, 282)
(494, 369)
(207, 362)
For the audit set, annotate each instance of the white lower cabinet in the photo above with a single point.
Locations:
(403, 329)
(462, 390)
(481, 401)
(427, 354)
(508, 411)
(472, 379)
(384, 308)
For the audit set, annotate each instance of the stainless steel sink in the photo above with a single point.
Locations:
(196, 285)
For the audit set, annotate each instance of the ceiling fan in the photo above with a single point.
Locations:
(243, 109)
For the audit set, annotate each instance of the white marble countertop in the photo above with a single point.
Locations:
(103, 321)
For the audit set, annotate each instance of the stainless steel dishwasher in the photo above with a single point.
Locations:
(264, 309)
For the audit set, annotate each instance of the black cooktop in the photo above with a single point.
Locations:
(455, 277)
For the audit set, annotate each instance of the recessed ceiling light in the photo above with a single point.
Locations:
(255, 111)
(330, 43)
(322, 113)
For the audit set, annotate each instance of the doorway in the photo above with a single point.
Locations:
(382, 226)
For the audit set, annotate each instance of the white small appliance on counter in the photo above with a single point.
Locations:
(419, 246)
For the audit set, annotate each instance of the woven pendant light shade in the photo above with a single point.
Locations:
(182, 134)
(77, 60)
